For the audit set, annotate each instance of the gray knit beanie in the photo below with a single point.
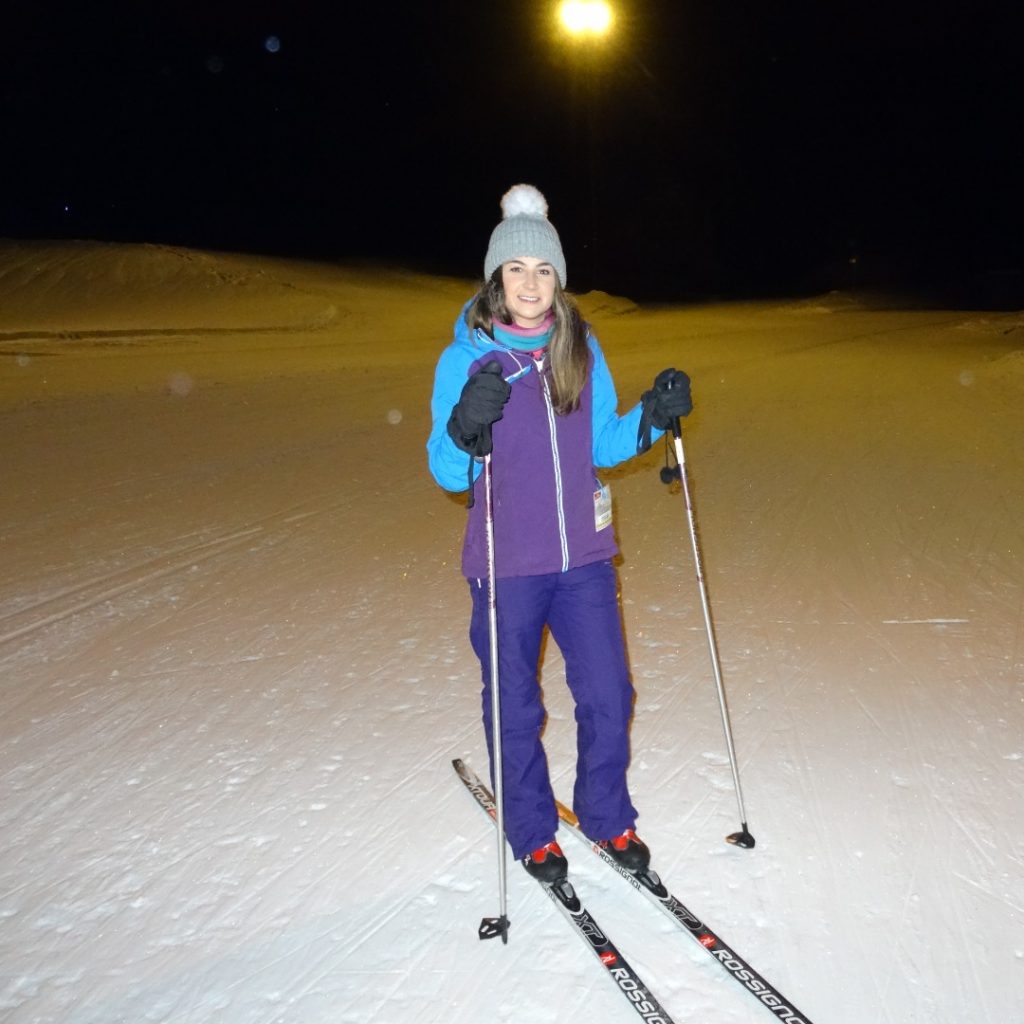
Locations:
(525, 231)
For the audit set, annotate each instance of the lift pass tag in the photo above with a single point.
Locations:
(602, 507)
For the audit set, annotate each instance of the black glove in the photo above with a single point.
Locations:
(671, 398)
(482, 401)
(668, 400)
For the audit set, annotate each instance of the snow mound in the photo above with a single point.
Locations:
(1002, 324)
(67, 288)
(1009, 368)
(598, 302)
(860, 301)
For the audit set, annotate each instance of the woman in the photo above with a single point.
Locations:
(525, 378)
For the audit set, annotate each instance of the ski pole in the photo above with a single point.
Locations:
(490, 927)
(743, 837)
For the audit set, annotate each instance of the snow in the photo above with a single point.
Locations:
(235, 666)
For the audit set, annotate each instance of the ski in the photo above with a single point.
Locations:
(653, 888)
(563, 895)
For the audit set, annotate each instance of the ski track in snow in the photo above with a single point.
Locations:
(235, 664)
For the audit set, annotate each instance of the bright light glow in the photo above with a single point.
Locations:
(586, 17)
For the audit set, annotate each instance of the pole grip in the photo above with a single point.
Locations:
(674, 426)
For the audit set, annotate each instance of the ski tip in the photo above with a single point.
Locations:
(742, 838)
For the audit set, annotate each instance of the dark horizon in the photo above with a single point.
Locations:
(730, 153)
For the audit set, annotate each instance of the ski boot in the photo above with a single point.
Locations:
(628, 850)
(548, 864)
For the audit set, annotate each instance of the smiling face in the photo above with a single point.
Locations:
(529, 289)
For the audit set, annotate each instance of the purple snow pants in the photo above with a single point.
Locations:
(581, 609)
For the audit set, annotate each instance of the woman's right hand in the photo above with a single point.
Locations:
(481, 403)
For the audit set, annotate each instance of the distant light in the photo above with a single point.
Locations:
(272, 44)
(586, 17)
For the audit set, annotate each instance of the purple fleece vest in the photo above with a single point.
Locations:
(543, 484)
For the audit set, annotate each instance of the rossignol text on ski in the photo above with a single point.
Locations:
(648, 882)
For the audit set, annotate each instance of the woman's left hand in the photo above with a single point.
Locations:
(670, 398)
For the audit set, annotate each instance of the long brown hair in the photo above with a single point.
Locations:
(568, 353)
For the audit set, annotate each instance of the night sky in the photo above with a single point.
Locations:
(706, 149)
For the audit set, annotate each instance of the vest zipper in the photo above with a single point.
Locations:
(556, 463)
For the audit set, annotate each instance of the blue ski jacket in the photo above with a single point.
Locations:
(545, 490)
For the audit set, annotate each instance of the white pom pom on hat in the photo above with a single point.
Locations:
(524, 199)
(524, 231)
